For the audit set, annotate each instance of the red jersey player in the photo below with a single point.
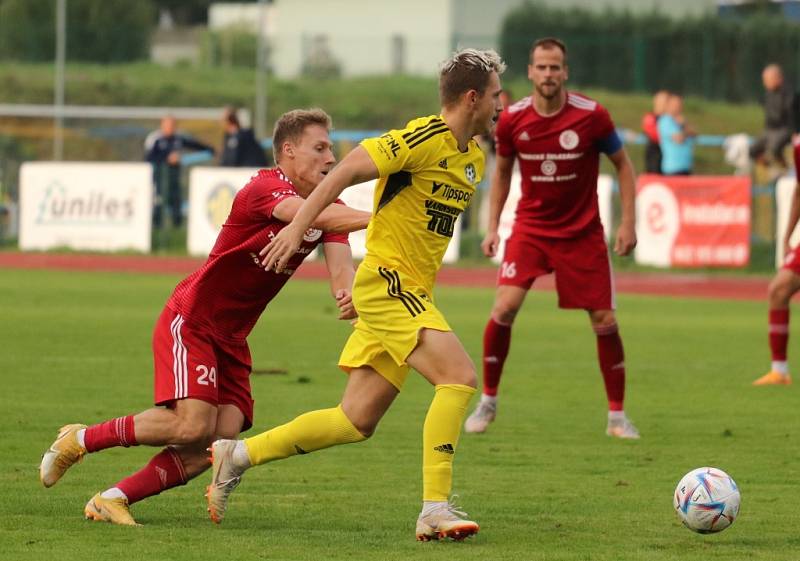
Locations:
(202, 360)
(557, 137)
(783, 286)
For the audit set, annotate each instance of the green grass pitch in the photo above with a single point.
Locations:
(545, 483)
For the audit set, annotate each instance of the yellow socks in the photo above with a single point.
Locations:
(308, 432)
(440, 438)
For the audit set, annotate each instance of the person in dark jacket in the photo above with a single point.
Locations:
(163, 149)
(240, 148)
(780, 118)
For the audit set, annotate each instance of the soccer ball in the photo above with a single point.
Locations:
(707, 500)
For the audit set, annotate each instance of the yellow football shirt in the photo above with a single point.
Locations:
(425, 184)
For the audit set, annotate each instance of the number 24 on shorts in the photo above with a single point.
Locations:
(206, 377)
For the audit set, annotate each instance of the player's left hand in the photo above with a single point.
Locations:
(344, 301)
(626, 239)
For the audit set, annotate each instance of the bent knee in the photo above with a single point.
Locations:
(195, 433)
(504, 313)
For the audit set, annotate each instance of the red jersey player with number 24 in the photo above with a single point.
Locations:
(202, 359)
(557, 137)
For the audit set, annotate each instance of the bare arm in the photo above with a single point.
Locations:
(334, 218)
(626, 233)
(356, 167)
(794, 216)
(339, 260)
(498, 194)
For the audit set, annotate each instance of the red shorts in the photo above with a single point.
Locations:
(192, 363)
(792, 260)
(581, 265)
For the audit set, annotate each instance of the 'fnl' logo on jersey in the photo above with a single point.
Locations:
(389, 144)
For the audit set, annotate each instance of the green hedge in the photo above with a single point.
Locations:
(712, 57)
(97, 31)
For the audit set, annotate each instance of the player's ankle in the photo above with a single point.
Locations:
(240, 457)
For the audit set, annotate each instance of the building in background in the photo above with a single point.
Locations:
(369, 37)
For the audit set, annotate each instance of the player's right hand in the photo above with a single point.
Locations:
(787, 247)
(279, 250)
(490, 244)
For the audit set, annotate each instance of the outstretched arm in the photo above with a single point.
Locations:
(356, 167)
(626, 233)
(334, 218)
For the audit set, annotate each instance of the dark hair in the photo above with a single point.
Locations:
(231, 116)
(549, 43)
(468, 69)
(291, 125)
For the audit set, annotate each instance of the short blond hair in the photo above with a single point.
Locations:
(467, 69)
(290, 126)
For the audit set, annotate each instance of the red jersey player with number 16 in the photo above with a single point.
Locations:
(202, 359)
(557, 137)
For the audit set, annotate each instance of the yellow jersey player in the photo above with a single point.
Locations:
(427, 175)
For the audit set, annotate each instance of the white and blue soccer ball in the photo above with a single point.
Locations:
(707, 500)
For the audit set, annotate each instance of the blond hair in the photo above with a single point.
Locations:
(467, 69)
(291, 125)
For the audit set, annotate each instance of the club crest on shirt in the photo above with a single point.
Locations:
(469, 173)
(568, 139)
(548, 167)
(312, 235)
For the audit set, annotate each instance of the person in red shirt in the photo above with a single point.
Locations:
(783, 286)
(202, 360)
(557, 137)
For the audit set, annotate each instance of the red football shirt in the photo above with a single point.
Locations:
(797, 158)
(559, 159)
(230, 291)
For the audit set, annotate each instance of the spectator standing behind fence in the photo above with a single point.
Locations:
(163, 149)
(780, 118)
(676, 139)
(652, 151)
(240, 148)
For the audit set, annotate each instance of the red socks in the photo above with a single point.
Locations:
(496, 341)
(116, 432)
(611, 357)
(163, 471)
(778, 333)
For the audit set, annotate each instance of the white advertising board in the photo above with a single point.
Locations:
(86, 206)
(211, 193)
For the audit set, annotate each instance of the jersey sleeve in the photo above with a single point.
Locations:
(403, 149)
(336, 237)
(503, 137)
(604, 126)
(265, 195)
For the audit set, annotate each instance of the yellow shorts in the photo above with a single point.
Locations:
(392, 309)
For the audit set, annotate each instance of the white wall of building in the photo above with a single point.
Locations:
(360, 35)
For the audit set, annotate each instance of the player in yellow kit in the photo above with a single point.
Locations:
(427, 175)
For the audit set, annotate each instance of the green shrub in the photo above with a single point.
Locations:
(97, 31)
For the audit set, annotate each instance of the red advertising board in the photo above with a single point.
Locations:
(693, 221)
